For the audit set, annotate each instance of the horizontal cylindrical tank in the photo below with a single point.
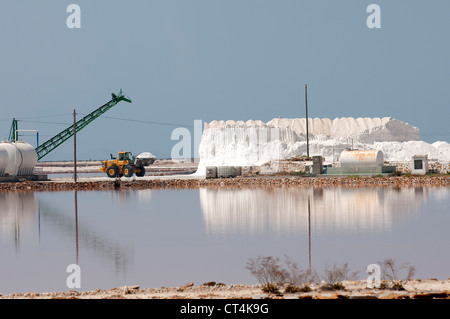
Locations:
(4, 160)
(17, 158)
(361, 158)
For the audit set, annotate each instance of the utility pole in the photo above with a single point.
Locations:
(74, 146)
(307, 131)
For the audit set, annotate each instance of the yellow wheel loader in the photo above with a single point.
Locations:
(125, 165)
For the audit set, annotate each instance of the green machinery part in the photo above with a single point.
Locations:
(13, 130)
(48, 146)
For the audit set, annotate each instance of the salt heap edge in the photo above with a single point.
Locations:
(254, 143)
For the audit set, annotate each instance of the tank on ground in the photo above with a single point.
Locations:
(17, 158)
(361, 158)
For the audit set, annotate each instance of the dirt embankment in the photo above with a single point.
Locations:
(412, 289)
(241, 182)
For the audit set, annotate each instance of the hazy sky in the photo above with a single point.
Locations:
(187, 60)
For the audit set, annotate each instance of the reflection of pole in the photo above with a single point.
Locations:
(17, 229)
(39, 221)
(309, 232)
(76, 223)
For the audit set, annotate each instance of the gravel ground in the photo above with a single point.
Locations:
(413, 289)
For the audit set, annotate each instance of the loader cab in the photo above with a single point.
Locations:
(126, 156)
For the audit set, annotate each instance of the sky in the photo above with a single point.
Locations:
(186, 60)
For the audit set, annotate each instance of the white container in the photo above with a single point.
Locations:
(4, 160)
(21, 158)
(28, 157)
(361, 158)
(12, 152)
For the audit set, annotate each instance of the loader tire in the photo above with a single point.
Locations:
(112, 171)
(128, 171)
(141, 172)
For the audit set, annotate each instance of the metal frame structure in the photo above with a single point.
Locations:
(48, 146)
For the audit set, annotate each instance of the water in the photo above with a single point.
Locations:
(155, 238)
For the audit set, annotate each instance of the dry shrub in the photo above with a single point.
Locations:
(267, 270)
(335, 275)
(390, 270)
(295, 275)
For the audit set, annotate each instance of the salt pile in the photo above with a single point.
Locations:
(254, 143)
(145, 159)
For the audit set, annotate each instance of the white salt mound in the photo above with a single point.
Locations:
(145, 159)
(254, 143)
(145, 155)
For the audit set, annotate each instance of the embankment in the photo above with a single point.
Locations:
(242, 182)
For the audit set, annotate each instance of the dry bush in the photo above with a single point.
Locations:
(390, 270)
(295, 275)
(271, 288)
(267, 270)
(335, 275)
(271, 274)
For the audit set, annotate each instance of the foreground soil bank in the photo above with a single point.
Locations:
(242, 182)
(413, 289)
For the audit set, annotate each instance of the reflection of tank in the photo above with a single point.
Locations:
(361, 158)
(17, 158)
(16, 209)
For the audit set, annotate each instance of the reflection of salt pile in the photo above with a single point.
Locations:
(253, 143)
(285, 210)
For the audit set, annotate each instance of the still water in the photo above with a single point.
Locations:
(155, 238)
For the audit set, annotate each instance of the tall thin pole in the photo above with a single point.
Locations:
(307, 130)
(74, 146)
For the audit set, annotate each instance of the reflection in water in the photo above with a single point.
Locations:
(23, 210)
(76, 224)
(130, 236)
(17, 211)
(85, 235)
(285, 210)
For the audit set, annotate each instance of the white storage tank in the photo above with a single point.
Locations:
(17, 158)
(4, 160)
(12, 151)
(361, 158)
